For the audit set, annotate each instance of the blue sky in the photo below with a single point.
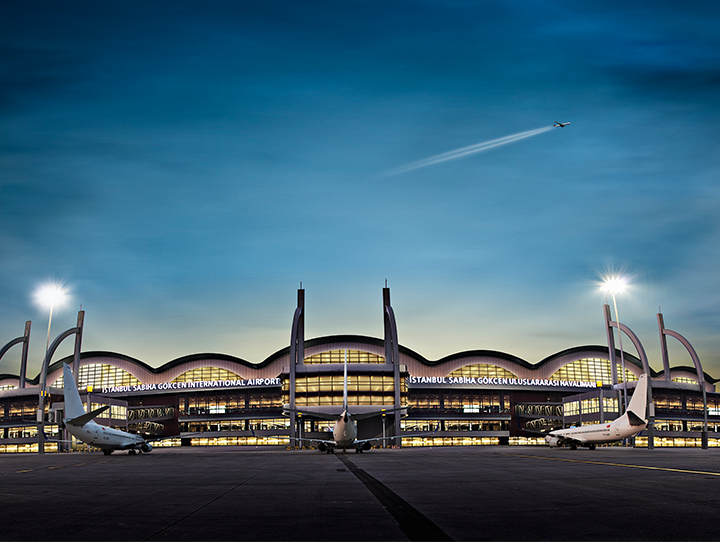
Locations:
(183, 166)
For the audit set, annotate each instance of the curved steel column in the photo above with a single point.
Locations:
(646, 367)
(43, 373)
(698, 368)
(25, 339)
(392, 355)
(297, 355)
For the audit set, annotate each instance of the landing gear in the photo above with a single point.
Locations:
(573, 447)
(591, 447)
(107, 452)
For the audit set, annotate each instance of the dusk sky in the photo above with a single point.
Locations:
(183, 166)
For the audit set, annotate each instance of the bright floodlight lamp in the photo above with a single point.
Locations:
(614, 285)
(52, 296)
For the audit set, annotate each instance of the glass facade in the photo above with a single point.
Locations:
(338, 356)
(591, 370)
(101, 376)
(327, 390)
(481, 370)
(470, 401)
(226, 402)
(206, 374)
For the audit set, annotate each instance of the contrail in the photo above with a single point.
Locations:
(465, 151)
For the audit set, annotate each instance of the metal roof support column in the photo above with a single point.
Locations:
(663, 347)
(392, 355)
(25, 339)
(297, 355)
(43, 374)
(698, 368)
(622, 328)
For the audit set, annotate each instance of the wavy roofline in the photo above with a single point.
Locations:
(361, 339)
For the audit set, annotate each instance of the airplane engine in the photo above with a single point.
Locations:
(145, 447)
(552, 441)
(366, 446)
(322, 447)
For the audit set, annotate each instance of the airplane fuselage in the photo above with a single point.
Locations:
(344, 432)
(107, 438)
(590, 435)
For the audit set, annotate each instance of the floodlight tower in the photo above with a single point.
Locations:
(615, 285)
(49, 296)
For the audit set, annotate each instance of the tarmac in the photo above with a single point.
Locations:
(454, 493)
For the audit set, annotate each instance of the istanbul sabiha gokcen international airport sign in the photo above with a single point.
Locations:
(411, 380)
(496, 381)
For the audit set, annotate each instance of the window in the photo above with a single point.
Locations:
(481, 370)
(590, 370)
(206, 374)
(101, 375)
(338, 356)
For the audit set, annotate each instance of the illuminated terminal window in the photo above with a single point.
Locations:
(481, 370)
(589, 406)
(685, 380)
(338, 356)
(610, 404)
(10, 387)
(115, 412)
(206, 374)
(590, 370)
(571, 409)
(102, 375)
(328, 390)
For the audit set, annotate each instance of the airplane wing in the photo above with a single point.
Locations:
(321, 415)
(425, 434)
(375, 413)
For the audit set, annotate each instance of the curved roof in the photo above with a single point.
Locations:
(416, 363)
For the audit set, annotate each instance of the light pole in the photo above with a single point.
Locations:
(49, 295)
(615, 285)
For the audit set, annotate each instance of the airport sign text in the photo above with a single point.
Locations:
(492, 381)
(200, 384)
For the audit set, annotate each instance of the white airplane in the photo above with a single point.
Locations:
(627, 425)
(81, 425)
(560, 124)
(344, 430)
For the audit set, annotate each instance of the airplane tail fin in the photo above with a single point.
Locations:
(345, 394)
(639, 399)
(73, 405)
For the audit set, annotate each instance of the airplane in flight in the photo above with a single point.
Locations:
(345, 430)
(82, 426)
(627, 425)
(560, 124)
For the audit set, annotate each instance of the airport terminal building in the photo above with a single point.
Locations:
(477, 397)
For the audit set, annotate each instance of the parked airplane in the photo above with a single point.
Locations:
(560, 124)
(627, 425)
(345, 430)
(81, 425)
